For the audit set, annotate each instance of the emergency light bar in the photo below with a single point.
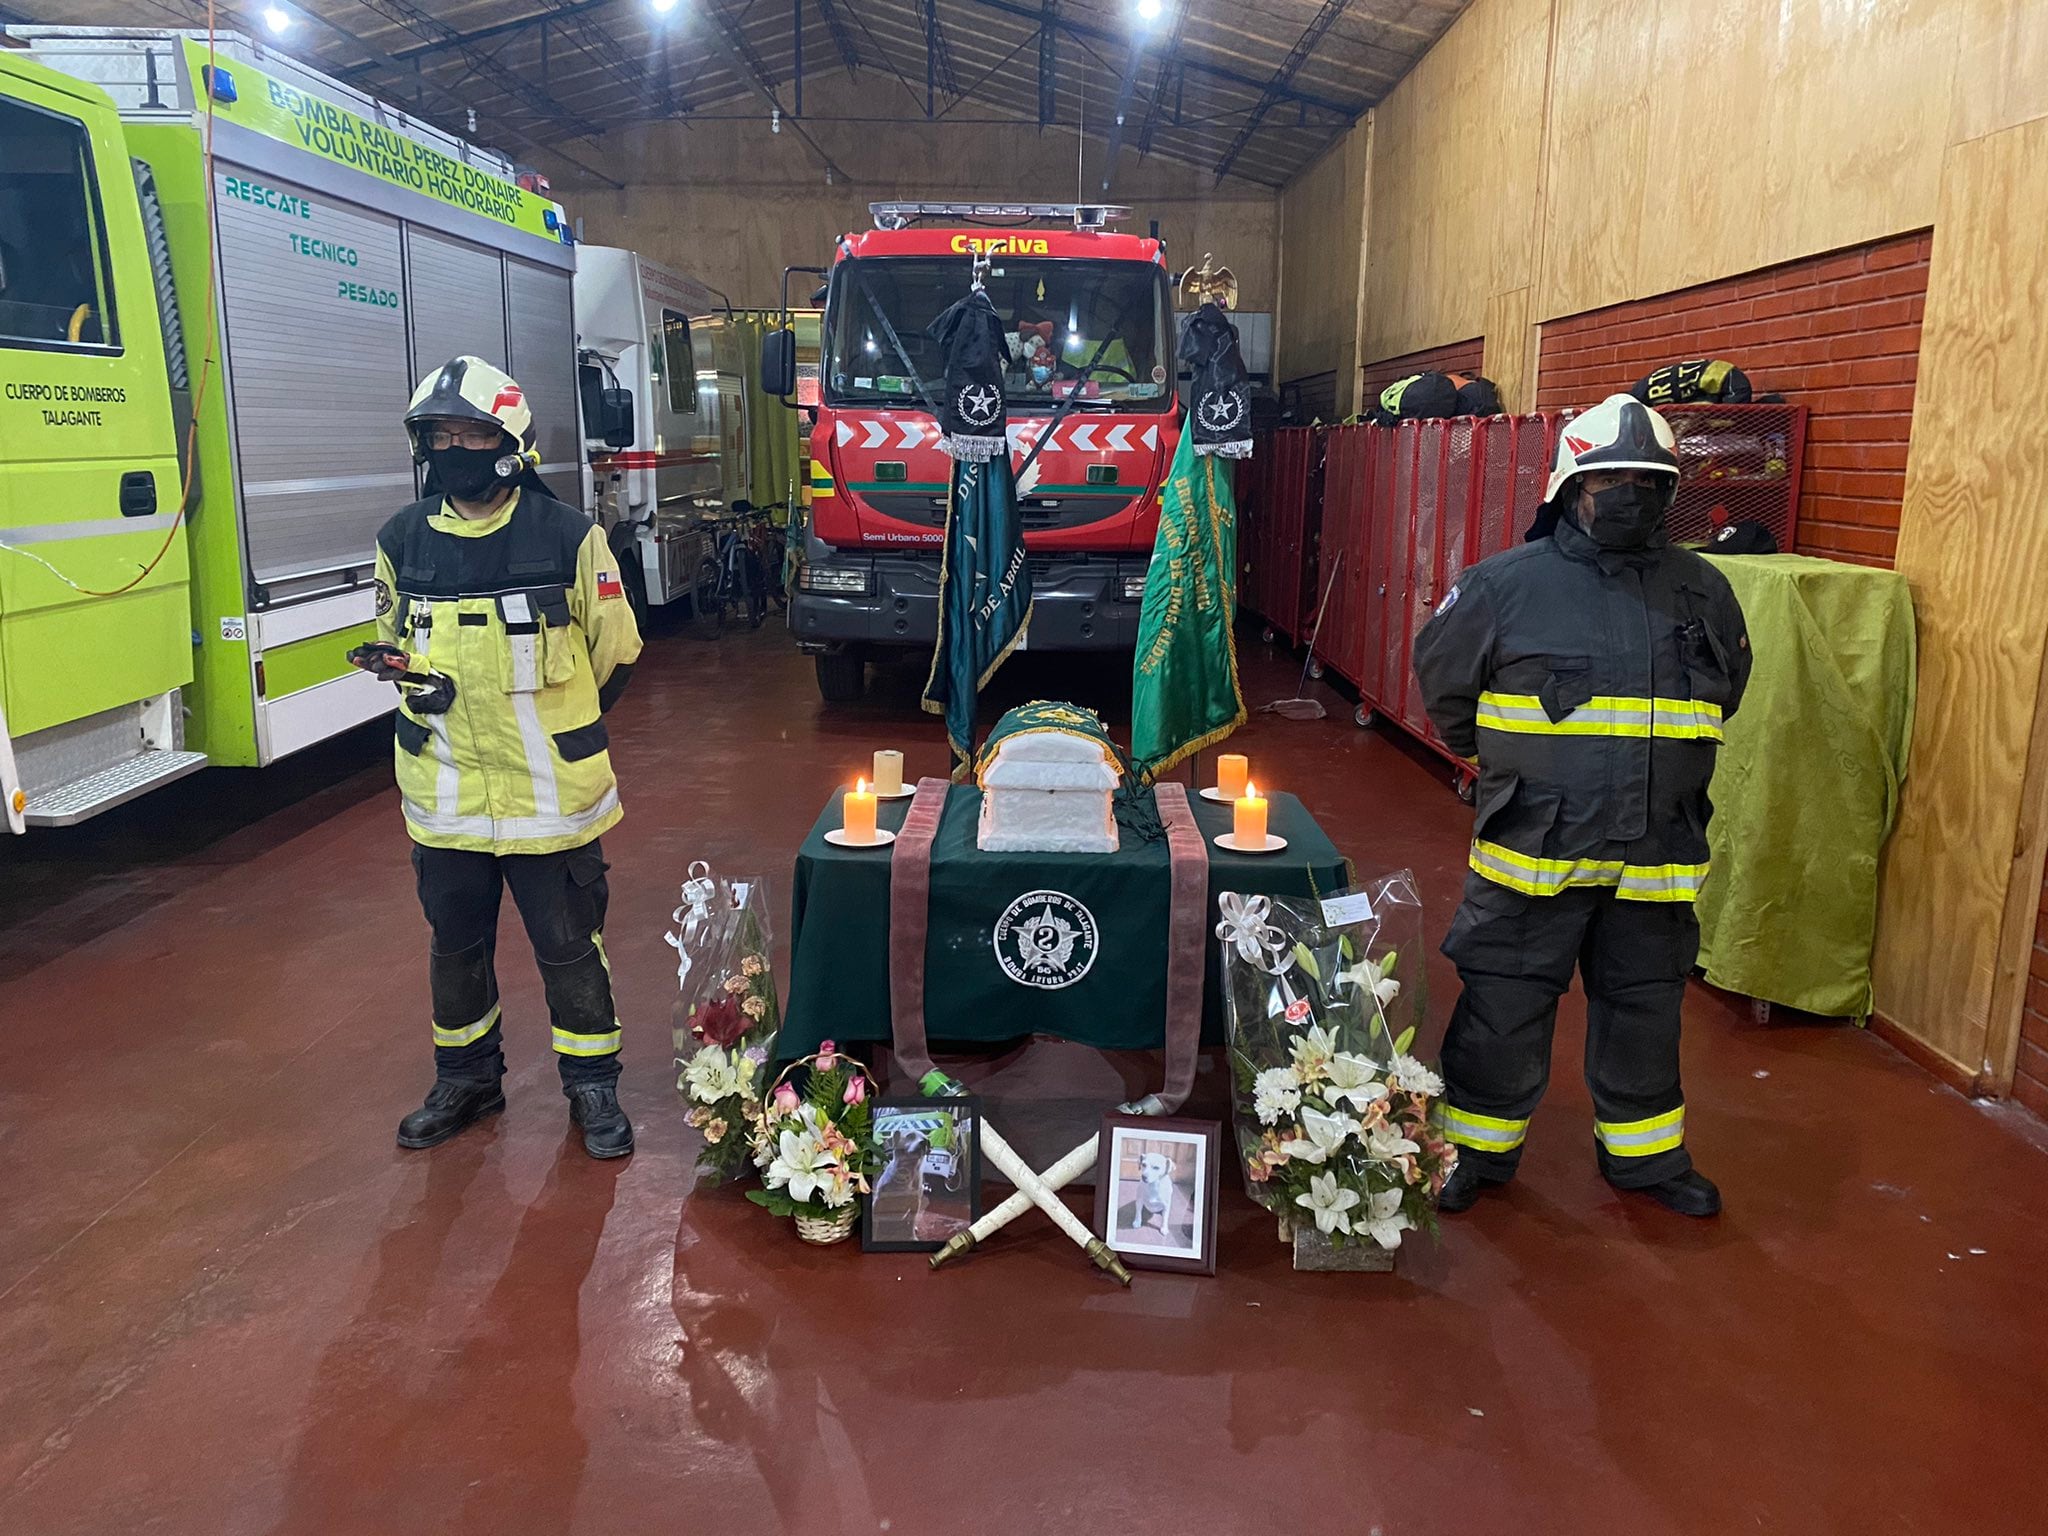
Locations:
(1084, 216)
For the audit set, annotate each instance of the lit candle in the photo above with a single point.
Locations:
(888, 773)
(1249, 822)
(857, 813)
(1231, 773)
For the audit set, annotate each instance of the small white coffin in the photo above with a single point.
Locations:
(1048, 792)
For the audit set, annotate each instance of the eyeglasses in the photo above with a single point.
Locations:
(466, 437)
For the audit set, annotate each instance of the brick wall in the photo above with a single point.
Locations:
(1456, 357)
(1839, 334)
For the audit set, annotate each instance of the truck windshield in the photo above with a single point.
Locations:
(1058, 316)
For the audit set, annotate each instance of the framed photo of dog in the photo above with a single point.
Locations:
(929, 1186)
(1155, 1191)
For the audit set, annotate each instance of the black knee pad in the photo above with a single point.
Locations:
(463, 985)
(580, 993)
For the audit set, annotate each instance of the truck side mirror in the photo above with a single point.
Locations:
(615, 417)
(778, 362)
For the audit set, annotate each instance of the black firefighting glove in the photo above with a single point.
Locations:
(427, 692)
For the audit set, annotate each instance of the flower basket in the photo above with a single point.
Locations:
(834, 1227)
(726, 1013)
(1314, 1251)
(816, 1147)
(1332, 1113)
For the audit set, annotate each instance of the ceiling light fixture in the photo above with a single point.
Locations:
(1151, 10)
(278, 19)
(661, 7)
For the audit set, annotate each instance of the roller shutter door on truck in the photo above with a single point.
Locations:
(457, 293)
(541, 305)
(312, 297)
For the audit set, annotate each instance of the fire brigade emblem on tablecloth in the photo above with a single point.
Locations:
(1045, 939)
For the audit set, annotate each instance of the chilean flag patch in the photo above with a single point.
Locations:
(608, 585)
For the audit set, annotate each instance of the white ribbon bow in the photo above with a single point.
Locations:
(1244, 925)
(698, 892)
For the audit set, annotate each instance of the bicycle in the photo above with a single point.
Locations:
(730, 573)
(770, 548)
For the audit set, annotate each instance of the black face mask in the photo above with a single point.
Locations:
(1624, 516)
(467, 474)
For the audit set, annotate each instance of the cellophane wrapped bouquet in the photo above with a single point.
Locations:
(1332, 1112)
(726, 1016)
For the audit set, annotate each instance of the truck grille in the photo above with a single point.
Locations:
(1038, 513)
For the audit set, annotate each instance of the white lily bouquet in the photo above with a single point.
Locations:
(1332, 1112)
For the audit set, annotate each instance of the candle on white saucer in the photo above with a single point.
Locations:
(1248, 823)
(857, 813)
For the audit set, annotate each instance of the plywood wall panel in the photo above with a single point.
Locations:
(1322, 244)
(1510, 359)
(1974, 543)
(1707, 150)
(2001, 67)
(1456, 157)
(1596, 153)
(1738, 133)
(1859, 107)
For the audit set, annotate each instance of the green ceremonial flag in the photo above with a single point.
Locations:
(1184, 694)
(984, 593)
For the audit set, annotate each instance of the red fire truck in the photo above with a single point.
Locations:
(1092, 409)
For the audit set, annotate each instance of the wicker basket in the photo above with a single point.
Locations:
(822, 1227)
(833, 1227)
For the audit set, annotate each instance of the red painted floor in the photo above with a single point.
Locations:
(229, 1305)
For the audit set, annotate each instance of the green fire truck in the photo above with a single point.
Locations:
(201, 377)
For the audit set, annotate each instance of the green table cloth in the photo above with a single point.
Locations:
(839, 933)
(1808, 782)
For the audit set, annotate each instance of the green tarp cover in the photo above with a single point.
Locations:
(1808, 782)
(774, 446)
(839, 939)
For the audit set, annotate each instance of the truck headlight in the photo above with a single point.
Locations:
(847, 580)
(1134, 588)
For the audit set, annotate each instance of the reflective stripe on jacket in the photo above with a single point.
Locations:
(526, 612)
(1592, 685)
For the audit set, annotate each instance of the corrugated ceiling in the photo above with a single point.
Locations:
(1251, 89)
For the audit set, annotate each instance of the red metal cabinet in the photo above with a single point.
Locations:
(1345, 550)
(1273, 537)
(1441, 496)
(1407, 508)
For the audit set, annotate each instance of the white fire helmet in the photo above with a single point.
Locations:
(1618, 433)
(470, 389)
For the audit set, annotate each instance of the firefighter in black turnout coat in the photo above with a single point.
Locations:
(1589, 673)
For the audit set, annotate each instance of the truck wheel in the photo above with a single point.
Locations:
(842, 676)
(634, 578)
(707, 608)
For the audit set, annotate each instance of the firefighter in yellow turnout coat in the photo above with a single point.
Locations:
(1589, 672)
(516, 637)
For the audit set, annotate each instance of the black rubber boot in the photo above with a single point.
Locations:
(606, 1130)
(1462, 1189)
(450, 1108)
(1690, 1194)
